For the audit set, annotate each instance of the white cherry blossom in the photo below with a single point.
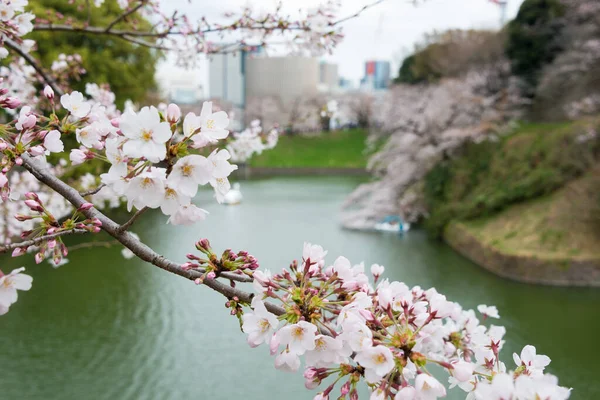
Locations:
(146, 133)
(259, 324)
(188, 215)
(76, 104)
(298, 337)
(377, 361)
(189, 172)
(52, 142)
(9, 284)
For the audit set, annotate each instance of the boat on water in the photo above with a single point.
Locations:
(392, 223)
(234, 196)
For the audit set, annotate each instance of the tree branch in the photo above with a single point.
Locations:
(356, 14)
(40, 239)
(131, 221)
(92, 191)
(44, 175)
(38, 68)
(124, 15)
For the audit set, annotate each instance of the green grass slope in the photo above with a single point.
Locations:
(339, 149)
(563, 225)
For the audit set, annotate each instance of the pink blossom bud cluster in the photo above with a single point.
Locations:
(51, 246)
(348, 330)
(211, 265)
(18, 184)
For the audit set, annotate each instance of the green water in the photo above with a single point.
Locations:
(101, 327)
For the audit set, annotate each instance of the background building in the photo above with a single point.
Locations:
(227, 76)
(286, 78)
(328, 77)
(377, 75)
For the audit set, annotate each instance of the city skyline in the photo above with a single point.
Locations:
(387, 32)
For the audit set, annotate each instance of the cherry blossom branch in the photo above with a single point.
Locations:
(125, 15)
(32, 61)
(142, 251)
(40, 239)
(357, 14)
(132, 220)
(87, 245)
(92, 191)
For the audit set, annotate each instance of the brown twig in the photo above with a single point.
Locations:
(92, 191)
(40, 239)
(131, 221)
(124, 15)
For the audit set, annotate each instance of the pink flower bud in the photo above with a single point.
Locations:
(96, 221)
(345, 389)
(19, 251)
(37, 150)
(85, 207)
(3, 146)
(173, 113)
(96, 229)
(34, 205)
(51, 230)
(31, 196)
(49, 92)
(21, 217)
(198, 281)
(211, 275)
(12, 103)
(19, 161)
(51, 243)
(115, 122)
(187, 266)
(39, 257)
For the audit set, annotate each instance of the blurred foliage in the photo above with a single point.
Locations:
(489, 176)
(451, 54)
(533, 37)
(128, 68)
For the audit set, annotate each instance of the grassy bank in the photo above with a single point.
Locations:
(340, 149)
(532, 162)
(563, 225)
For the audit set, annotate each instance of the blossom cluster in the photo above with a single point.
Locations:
(251, 141)
(15, 23)
(386, 334)
(150, 158)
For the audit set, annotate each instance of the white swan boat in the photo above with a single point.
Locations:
(234, 196)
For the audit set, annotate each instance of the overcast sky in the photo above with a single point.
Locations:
(388, 31)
